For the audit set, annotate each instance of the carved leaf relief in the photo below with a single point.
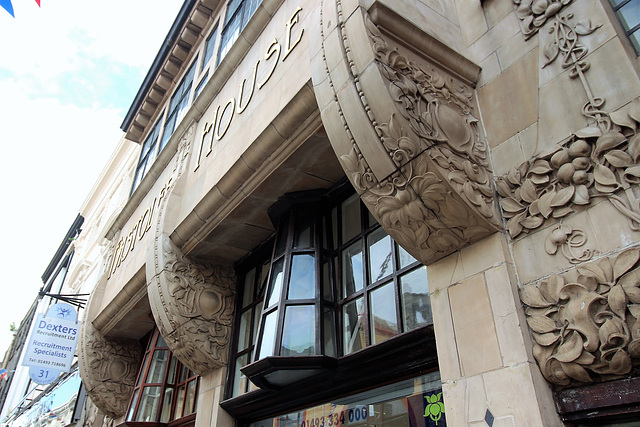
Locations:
(587, 329)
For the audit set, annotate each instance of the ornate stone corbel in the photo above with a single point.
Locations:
(406, 133)
(191, 301)
(192, 304)
(586, 323)
(108, 368)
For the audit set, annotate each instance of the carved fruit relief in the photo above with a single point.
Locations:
(587, 328)
(591, 165)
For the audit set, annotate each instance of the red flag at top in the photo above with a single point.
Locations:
(38, 1)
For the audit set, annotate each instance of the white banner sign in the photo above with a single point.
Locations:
(52, 343)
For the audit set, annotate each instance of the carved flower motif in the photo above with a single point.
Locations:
(587, 329)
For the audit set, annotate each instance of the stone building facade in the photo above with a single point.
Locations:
(375, 212)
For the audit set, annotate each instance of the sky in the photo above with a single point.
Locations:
(69, 71)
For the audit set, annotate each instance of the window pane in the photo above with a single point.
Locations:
(383, 313)
(404, 257)
(229, 36)
(156, 368)
(380, 255)
(256, 321)
(327, 280)
(329, 321)
(239, 380)
(630, 15)
(179, 402)
(133, 405)
(303, 277)
(171, 378)
(283, 233)
(144, 365)
(247, 293)
(298, 335)
(275, 288)
(166, 405)
(210, 48)
(190, 399)
(304, 232)
(354, 326)
(350, 218)
(245, 330)
(415, 299)
(269, 334)
(352, 271)
(148, 409)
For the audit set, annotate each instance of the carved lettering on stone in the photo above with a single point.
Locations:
(591, 165)
(585, 324)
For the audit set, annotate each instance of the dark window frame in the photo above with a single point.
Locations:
(632, 33)
(165, 383)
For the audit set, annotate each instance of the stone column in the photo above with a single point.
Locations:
(489, 375)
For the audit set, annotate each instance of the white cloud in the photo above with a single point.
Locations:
(68, 73)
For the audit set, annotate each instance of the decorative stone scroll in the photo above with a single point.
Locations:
(193, 307)
(108, 368)
(586, 323)
(533, 14)
(407, 136)
(591, 165)
(570, 241)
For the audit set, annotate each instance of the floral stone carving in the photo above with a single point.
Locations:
(193, 307)
(591, 165)
(585, 324)
(533, 14)
(437, 196)
(108, 368)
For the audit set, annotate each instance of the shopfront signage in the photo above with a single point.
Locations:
(52, 343)
(224, 113)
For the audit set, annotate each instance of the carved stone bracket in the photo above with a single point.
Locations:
(406, 133)
(192, 304)
(586, 323)
(108, 368)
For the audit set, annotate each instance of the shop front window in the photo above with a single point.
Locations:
(410, 403)
(165, 390)
(330, 283)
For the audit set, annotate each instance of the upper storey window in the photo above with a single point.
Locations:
(179, 105)
(237, 15)
(628, 12)
(147, 155)
(236, 18)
